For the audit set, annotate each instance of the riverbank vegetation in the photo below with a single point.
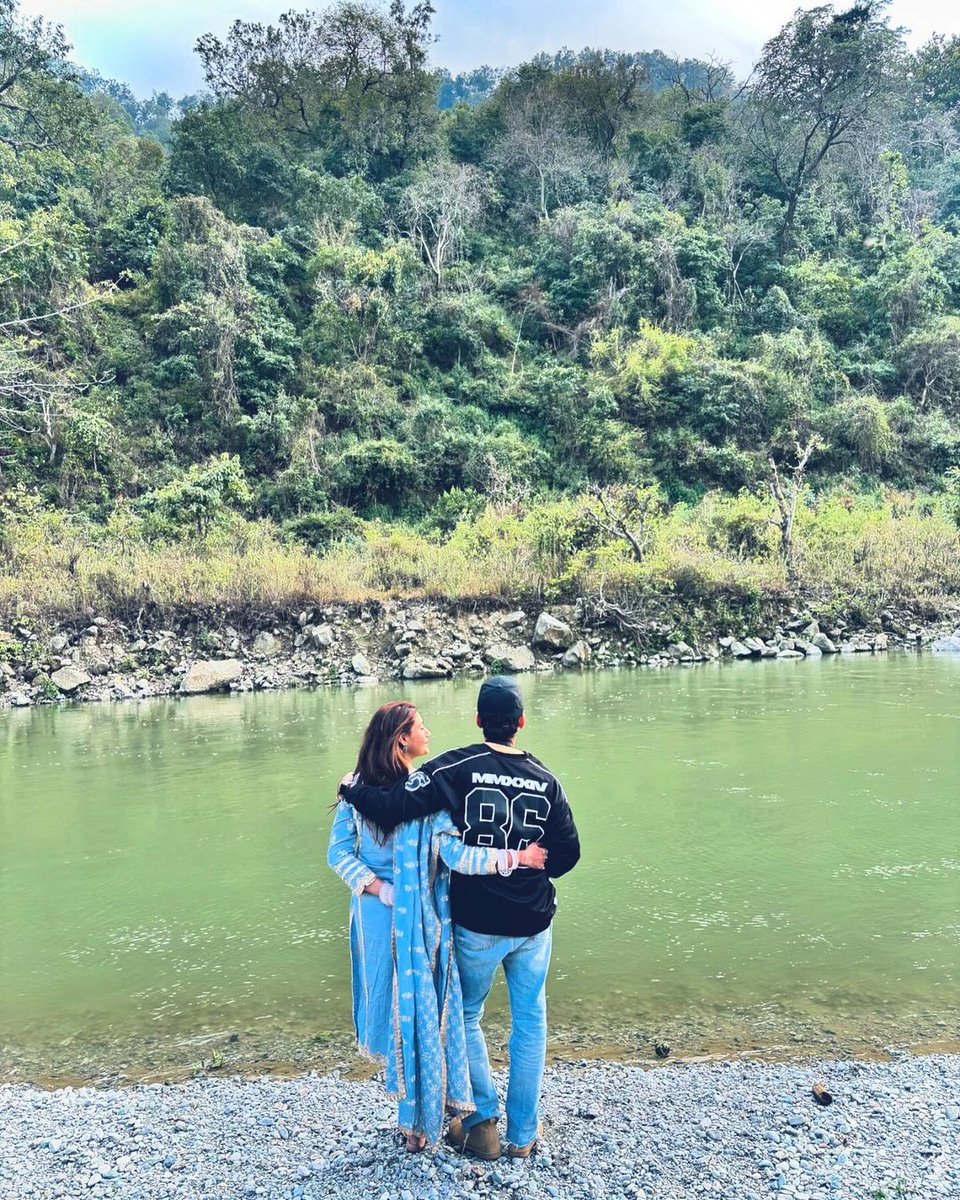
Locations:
(606, 323)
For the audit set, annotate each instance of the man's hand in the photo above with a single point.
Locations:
(533, 856)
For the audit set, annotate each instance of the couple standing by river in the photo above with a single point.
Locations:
(450, 867)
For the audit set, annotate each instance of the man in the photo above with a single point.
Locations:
(503, 797)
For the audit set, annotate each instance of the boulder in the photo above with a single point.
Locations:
(513, 618)
(456, 650)
(58, 643)
(823, 644)
(739, 650)
(680, 650)
(754, 645)
(947, 645)
(211, 675)
(789, 654)
(552, 633)
(578, 654)
(811, 631)
(18, 700)
(880, 642)
(68, 679)
(320, 637)
(360, 665)
(510, 658)
(266, 645)
(810, 650)
(424, 668)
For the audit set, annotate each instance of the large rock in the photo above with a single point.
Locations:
(320, 637)
(361, 665)
(517, 617)
(947, 645)
(578, 654)
(823, 644)
(424, 668)
(739, 650)
(266, 645)
(552, 633)
(457, 650)
(510, 658)
(58, 643)
(68, 679)
(680, 650)
(211, 675)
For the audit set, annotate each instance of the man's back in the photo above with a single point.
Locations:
(506, 800)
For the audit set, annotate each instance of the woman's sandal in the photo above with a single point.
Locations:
(415, 1143)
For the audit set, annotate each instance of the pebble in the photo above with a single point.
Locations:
(686, 1130)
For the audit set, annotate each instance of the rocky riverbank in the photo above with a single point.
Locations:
(202, 651)
(734, 1130)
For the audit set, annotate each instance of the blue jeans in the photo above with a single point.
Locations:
(525, 964)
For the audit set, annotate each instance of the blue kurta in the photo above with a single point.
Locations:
(359, 858)
(407, 1005)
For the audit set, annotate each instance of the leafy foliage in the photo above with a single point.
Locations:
(343, 288)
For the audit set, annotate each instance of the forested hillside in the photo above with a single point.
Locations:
(602, 317)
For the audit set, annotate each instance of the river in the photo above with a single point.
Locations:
(771, 863)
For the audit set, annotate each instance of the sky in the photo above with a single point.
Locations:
(150, 46)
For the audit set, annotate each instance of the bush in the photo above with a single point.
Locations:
(320, 530)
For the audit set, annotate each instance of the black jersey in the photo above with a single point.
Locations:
(499, 799)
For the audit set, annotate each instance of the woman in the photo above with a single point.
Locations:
(414, 941)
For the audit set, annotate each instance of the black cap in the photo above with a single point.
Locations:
(500, 697)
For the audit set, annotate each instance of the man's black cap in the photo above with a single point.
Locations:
(500, 697)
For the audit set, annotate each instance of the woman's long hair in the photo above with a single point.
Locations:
(381, 762)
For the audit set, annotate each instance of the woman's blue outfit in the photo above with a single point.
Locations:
(407, 1005)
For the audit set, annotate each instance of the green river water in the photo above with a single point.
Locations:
(771, 862)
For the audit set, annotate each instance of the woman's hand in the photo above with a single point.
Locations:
(533, 856)
(382, 890)
(345, 782)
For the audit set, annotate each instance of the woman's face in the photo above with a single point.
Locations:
(417, 741)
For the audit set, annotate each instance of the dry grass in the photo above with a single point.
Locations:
(54, 565)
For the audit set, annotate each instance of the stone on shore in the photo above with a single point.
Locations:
(947, 645)
(212, 675)
(512, 659)
(517, 617)
(578, 654)
(424, 668)
(319, 636)
(740, 650)
(823, 644)
(551, 633)
(69, 679)
(266, 645)
(360, 665)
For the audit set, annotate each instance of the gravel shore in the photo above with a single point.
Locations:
(733, 1130)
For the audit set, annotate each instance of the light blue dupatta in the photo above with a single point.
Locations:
(427, 1072)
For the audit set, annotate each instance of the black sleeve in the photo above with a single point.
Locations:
(388, 807)
(561, 840)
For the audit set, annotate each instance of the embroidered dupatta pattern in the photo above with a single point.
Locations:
(427, 1071)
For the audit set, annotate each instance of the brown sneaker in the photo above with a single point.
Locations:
(481, 1140)
(528, 1149)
